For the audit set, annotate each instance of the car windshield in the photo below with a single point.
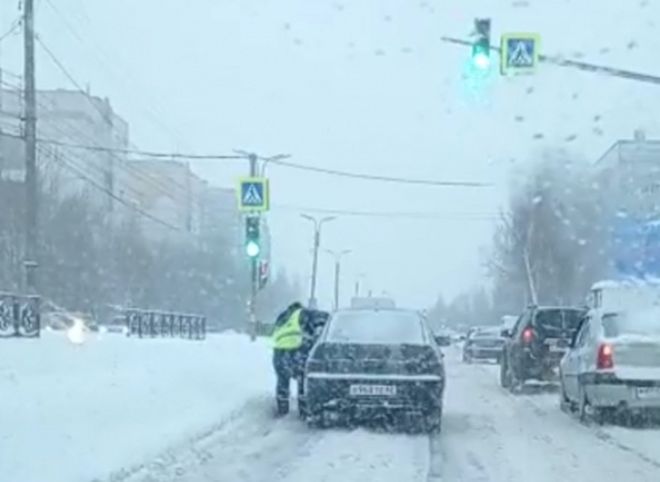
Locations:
(558, 321)
(187, 187)
(643, 323)
(376, 327)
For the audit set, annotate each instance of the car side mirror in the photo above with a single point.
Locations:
(505, 333)
(443, 340)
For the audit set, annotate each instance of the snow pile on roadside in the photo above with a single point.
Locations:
(78, 412)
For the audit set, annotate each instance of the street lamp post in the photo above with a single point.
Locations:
(337, 255)
(318, 223)
(360, 277)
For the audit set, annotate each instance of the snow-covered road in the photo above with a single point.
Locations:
(123, 410)
(489, 436)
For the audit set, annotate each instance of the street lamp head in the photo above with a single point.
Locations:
(338, 254)
(277, 157)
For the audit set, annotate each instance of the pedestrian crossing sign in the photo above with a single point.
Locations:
(519, 53)
(253, 194)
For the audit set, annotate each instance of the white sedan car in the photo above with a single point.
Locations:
(613, 365)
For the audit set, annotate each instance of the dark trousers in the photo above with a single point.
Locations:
(288, 365)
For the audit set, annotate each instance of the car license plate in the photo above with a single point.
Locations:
(645, 393)
(372, 390)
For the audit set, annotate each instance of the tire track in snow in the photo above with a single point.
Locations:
(361, 454)
(249, 445)
(599, 432)
(254, 446)
(512, 436)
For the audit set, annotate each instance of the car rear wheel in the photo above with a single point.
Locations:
(316, 419)
(565, 403)
(588, 413)
(505, 374)
(433, 422)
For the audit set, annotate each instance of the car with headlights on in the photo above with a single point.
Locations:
(370, 364)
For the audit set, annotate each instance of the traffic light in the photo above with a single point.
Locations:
(252, 242)
(481, 46)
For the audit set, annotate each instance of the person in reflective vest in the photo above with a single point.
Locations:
(287, 341)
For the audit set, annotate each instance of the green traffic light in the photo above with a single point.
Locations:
(252, 249)
(481, 57)
(481, 61)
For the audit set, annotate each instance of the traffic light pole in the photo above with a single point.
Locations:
(254, 280)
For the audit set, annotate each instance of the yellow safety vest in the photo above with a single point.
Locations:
(289, 336)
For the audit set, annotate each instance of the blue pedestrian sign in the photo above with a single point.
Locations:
(253, 194)
(519, 53)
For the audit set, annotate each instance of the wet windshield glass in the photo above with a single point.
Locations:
(329, 240)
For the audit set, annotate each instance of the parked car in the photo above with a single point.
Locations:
(483, 344)
(537, 343)
(370, 363)
(613, 365)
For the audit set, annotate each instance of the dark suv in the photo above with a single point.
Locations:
(536, 344)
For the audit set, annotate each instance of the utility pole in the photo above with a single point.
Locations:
(337, 255)
(318, 223)
(2, 160)
(31, 229)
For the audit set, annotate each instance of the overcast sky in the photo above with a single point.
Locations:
(363, 86)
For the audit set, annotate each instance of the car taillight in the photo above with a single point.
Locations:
(605, 359)
(527, 336)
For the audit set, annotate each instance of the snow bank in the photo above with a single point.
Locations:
(75, 413)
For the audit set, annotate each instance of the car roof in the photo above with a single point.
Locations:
(419, 318)
(371, 308)
(559, 307)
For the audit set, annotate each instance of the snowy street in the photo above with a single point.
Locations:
(167, 410)
(489, 436)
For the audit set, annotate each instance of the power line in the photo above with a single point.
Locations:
(421, 215)
(139, 152)
(15, 25)
(376, 177)
(9, 73)
(154, 114)
(124, 164)
(68, 75)
(321, 170)
(115, 197)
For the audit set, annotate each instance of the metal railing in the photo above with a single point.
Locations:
(20, 315)
(152, 324)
